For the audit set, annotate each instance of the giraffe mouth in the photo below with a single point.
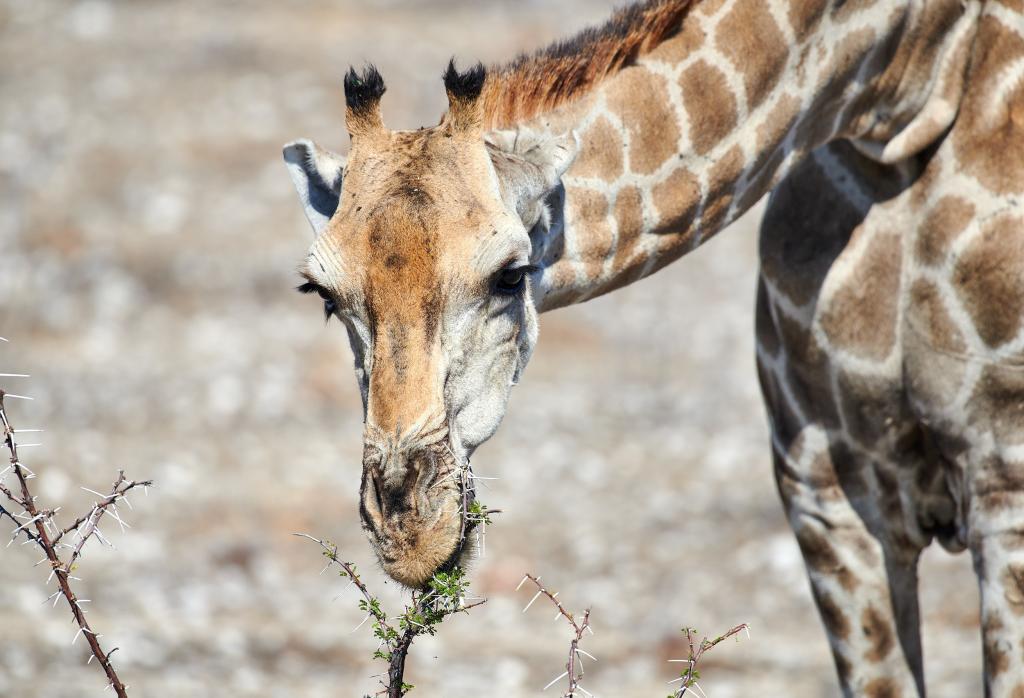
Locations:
(419, 520)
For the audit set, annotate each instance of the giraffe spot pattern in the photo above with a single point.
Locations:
(941, 226)
(721, 179)
(988, 279)
(600, 155)
(1012, 580)
(995, 656)
(832, 616)
(932, 319)
(629, 217)
(749, 30)
(641, 100)
(988, 144)
(592, 206)
(875, 627)
(710, 105)
(861, 316)
(804, 16)
(820, 556)
(675, 200)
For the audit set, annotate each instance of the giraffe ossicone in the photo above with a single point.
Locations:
(890, 312)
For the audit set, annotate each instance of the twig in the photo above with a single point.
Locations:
(573, 674)
(42, 521)
(689, 676)
(427, 610)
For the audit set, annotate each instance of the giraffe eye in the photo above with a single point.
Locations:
(511, 280)
(330, 307)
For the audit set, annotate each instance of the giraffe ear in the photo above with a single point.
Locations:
(529, 165)
(317, 175)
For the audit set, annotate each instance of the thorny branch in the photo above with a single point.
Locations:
(49, 537)
(690, 675)
(447, 595)
(573, 674)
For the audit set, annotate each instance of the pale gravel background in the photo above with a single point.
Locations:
(148, 240)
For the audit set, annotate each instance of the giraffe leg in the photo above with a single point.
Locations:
(865, 587)
(839, 420)
(995, 520)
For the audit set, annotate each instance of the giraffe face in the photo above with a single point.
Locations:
(424, 254)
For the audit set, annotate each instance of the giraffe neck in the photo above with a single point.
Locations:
(679, 143)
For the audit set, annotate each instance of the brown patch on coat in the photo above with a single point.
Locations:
(987, 136)
(710, 105)
(875, 627)
(871, 405)
(931, 318)
(944, 222)
(820, 556)
(750, 39)
(988, 278)
(804, 17)
(779, 121)
(836, 622)
(881, 688)
(566, 70)
(630, 221)
(722, 180)
(601, 152)
(996, 659)
(676, 199)
(592, 210)
(1012, 580)
(640, 98)
(861, 316)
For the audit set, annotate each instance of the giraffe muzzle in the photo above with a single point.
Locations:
(411, 504)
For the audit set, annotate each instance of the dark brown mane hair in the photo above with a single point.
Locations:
(532, 84)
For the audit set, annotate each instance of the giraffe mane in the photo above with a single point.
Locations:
(532, 84)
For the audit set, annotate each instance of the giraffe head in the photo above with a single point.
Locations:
(423, 250)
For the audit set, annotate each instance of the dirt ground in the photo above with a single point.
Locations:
(148, 240)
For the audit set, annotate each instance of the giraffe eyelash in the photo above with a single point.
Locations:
(330, 307)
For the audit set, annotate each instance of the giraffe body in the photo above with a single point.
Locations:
(890, 304)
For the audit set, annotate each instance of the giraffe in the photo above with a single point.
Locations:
(890, 298)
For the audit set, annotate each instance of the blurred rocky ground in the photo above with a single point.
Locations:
(148, 240)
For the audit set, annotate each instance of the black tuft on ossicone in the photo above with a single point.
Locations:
(466, 85)
(363, 92)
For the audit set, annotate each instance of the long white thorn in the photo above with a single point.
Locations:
(586, 653)
(564, 673)
(531, 602)
(361, 623)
